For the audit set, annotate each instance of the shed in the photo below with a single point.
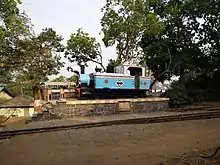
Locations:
(20, 106)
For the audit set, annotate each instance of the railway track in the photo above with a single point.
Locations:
(196, 108)
(171, 118)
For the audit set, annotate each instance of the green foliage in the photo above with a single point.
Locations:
(25, 58)
(5, 76)
(123, 24)
(20, 86)
(188, 48)
(72, 78)
(13, 23)
(177, 95)
(13, 26)
(111, 65)
(64, 79)
(40, 56)
(37, 59)
(59, 79)
(82, 48)
(202, 88)
(174, 50)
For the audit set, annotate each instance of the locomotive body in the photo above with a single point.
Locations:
(126, 81)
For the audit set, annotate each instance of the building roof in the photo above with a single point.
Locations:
(58, 83)
(19, 101)
(4, 89)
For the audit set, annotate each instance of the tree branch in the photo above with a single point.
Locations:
(161, 74)
(100, 63)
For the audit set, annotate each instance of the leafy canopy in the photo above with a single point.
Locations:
(59, 79)
(13, 26)
(175, 50)
(111, 65)
(26, 58)
(124, 22)
(188, 48)
(82, 48)
(41, 55)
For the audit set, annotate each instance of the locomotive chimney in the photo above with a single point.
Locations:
(82, 68)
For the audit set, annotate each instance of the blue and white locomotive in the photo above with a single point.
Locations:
(126, 81)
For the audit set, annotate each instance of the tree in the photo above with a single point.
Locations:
(72, 78)
(82, 48)
(209, 31)
(123, 24)
(174, 51)
(111, 65)
(14, 26)
(40, 55)
(25, 58)
(21, 85)
(21, 51)
(59, 79)
(187, 48)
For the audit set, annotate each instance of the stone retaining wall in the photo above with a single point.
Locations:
(69, 109)
(143, 107)
(91, 109)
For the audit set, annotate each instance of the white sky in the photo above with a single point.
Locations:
(66, 17)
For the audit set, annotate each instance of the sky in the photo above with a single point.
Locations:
(65, 17)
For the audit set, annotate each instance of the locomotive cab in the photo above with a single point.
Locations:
(135, 71)
(130, 70)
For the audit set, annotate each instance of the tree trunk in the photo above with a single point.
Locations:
(182, 77)
(22, 90)
(38, 92)
(35, 92)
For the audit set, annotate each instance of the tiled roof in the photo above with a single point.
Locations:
(6, 91)
(17, 101)
(58, 83)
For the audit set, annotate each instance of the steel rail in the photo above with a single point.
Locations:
(148, 120)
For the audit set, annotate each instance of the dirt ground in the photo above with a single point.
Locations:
(10, 120)
(14, 122)
(176, 143)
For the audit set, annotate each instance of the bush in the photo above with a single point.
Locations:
(177, 95)
(202, 88)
